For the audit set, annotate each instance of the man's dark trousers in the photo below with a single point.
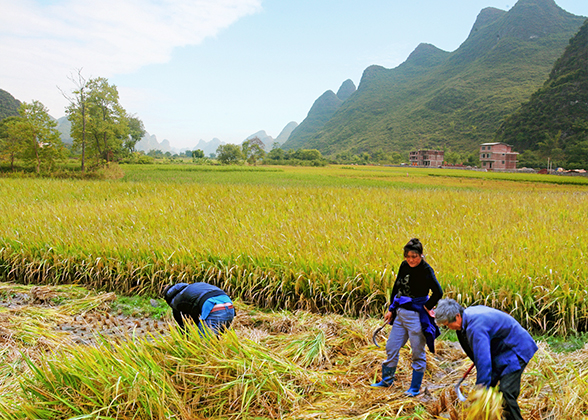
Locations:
(510, 386)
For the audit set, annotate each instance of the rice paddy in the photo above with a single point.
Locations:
(320, 239)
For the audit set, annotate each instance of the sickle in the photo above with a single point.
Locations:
(375, 335)
(460, 396)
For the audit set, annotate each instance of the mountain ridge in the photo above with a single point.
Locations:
(9, 105)
(321, 112)
(451, 100)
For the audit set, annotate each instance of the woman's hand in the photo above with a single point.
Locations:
(431, 312)
(388, 317)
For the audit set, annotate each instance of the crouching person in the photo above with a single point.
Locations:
(207, 305)
(497, 344)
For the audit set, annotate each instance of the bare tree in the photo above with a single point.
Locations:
(77, 112)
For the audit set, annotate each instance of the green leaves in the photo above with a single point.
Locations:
(41, 143)
(229, 153)
(100, 127)
(553, 121)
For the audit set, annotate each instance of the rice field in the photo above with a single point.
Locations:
(271, 365)
(321, 239)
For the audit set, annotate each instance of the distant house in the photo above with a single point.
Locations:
(428, 158)
(498, 157)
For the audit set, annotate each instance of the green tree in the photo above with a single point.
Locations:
(136, 133)
(253, 150)
(396, 158)
(530, 159)
(156, 153)
(308, 154)
(197, 154)
(229, 153)
(42, 144)
(578, 155)
(343, 157)
(108, 120)
(456, 158)
(379, 156)
(276, 154)
(12, 138)
(550, 148)
(101, 127)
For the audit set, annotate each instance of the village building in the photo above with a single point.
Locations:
(427, 158)
(498, 157)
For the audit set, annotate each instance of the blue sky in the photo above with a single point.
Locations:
(219, 68)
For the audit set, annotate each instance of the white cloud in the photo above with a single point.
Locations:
(41, 44)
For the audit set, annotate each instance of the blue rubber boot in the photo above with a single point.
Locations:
(415, 383)
(387, 377)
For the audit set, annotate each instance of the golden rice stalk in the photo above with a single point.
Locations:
(486, 404)
(310, 349)
(91, 301)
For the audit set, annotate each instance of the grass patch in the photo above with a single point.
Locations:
(567, 344)
(141, 306)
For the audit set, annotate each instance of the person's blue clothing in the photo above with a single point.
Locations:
(428, 325)
(498, 343)
(406, 327)
(209, 304)
(196, 301)
(217, 321)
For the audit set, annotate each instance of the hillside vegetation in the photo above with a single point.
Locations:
(554, 122)
(453, 100)
(8, 105)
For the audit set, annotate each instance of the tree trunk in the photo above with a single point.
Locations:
(99, 150)
(83, 136)
(37, 154)
(106, 148)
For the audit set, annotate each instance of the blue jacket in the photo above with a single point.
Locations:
(498, 343)
(428, 325)
(187, 300)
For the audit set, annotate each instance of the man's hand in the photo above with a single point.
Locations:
(388, 317)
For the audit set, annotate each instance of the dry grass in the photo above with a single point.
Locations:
(272, 366)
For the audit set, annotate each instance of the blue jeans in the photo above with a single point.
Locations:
(217, 321)
(407, 326)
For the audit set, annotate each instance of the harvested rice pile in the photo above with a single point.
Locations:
(64, 340)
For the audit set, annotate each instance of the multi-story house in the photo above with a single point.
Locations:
(429, 158)
(498, 157)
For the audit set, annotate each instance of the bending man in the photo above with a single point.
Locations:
(207, 305)
(497, 344)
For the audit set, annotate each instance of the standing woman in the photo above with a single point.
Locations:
(411, 315)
